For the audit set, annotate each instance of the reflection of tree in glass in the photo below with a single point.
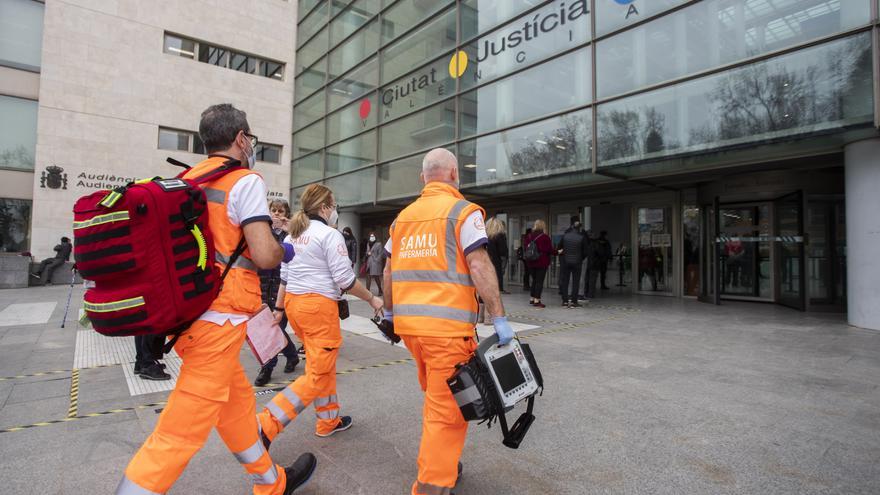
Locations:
(558, 149)
(656, 122)
(770, 97)
(17, 157)
(622, 133)
(14, 214)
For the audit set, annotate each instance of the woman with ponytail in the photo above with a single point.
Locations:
(312, 285)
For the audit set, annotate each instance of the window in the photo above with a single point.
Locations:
(222, 57)
(614, 15)
(306, 169)
(354, 188)
(180, 46)
(425, 129)
(309, 139)
(416, 90)
(716, 32)
(551, 87)
(270, 153)
(351, 120)
(525, 41)
(21, 33)
(552, 146)
(18, 133)
(15, 217)
(243, 63)
(309, 53)
(177, 140)
(355, 16)
(310, 80)
(308, 110)
(479, 16)
(311, 23)
(358, 48)
(351, 154)
(408, 13)
(824, 87)
(429, 41)
(353, 85)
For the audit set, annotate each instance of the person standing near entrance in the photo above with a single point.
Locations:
(431, 297)
(351, 244)
(604, 247)
(539, 266)
(212, 390)
(498, 250)
(375, 263)
(312, 286)
(592, 257)
(572, 250)
(519, 254)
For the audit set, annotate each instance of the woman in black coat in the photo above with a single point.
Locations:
(498, 250)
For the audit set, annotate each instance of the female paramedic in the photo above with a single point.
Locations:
(312, 286)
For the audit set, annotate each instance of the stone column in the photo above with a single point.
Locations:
(862, 162)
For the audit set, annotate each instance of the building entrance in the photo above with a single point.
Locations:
(758, 251)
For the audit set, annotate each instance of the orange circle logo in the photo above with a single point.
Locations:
(458, 64)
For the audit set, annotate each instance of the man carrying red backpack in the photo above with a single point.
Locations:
(212, 390)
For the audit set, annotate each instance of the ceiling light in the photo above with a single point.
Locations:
(490, 170)
(470, 165)
(560, 147)
(540, 142)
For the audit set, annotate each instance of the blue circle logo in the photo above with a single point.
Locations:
(624, 2)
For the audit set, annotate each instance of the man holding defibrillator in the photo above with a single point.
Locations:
(437, 264)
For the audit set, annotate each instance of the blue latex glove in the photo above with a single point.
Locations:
(388, 315)
(288, 252)
(503, 330)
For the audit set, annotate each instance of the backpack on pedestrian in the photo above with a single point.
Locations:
(149, 251)
(531, 252)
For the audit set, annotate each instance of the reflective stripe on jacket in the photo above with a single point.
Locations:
(432, 289)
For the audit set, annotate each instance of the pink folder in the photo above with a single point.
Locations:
(264, 336)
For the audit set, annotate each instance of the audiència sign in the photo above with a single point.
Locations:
(512, 44)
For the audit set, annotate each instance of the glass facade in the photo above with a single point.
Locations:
(18, 133)
(21, 34)
(522, 89)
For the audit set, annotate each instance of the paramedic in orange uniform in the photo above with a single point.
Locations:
(212, 390)
(312, 284)
(437, 265)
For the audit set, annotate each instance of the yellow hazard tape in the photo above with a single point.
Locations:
(74, 394)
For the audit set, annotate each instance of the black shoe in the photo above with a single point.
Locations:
(582, 298)
(575, 305)
(154, 372)
(564, 304)
(35, 276)
(263, 377)
(138, 369)
(299, 473)
(344, 424)
(291, 364)
(302, 352)
(458, 478)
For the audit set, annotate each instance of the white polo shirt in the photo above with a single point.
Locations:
(320, 265)
(247, 204)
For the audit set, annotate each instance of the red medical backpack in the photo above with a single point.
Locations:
(148, 249)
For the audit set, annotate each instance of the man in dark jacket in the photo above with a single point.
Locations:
(48, 265)
(604, 248)
(351, 245)
(572, 248)
(592, 256)
(269, 283)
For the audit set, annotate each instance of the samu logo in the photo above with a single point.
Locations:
(632, 10)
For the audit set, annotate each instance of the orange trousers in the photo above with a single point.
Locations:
(212, 391)
(315, 320)
(443, 427)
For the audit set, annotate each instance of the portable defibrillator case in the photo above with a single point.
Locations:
(483, 395)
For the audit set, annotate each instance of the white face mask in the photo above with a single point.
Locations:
(372, 238)
(334, 217)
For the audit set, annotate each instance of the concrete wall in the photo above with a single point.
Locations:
(863, 233)
(107, 86)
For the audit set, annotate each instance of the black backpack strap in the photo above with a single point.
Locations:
(177, 163)
(242, 245)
